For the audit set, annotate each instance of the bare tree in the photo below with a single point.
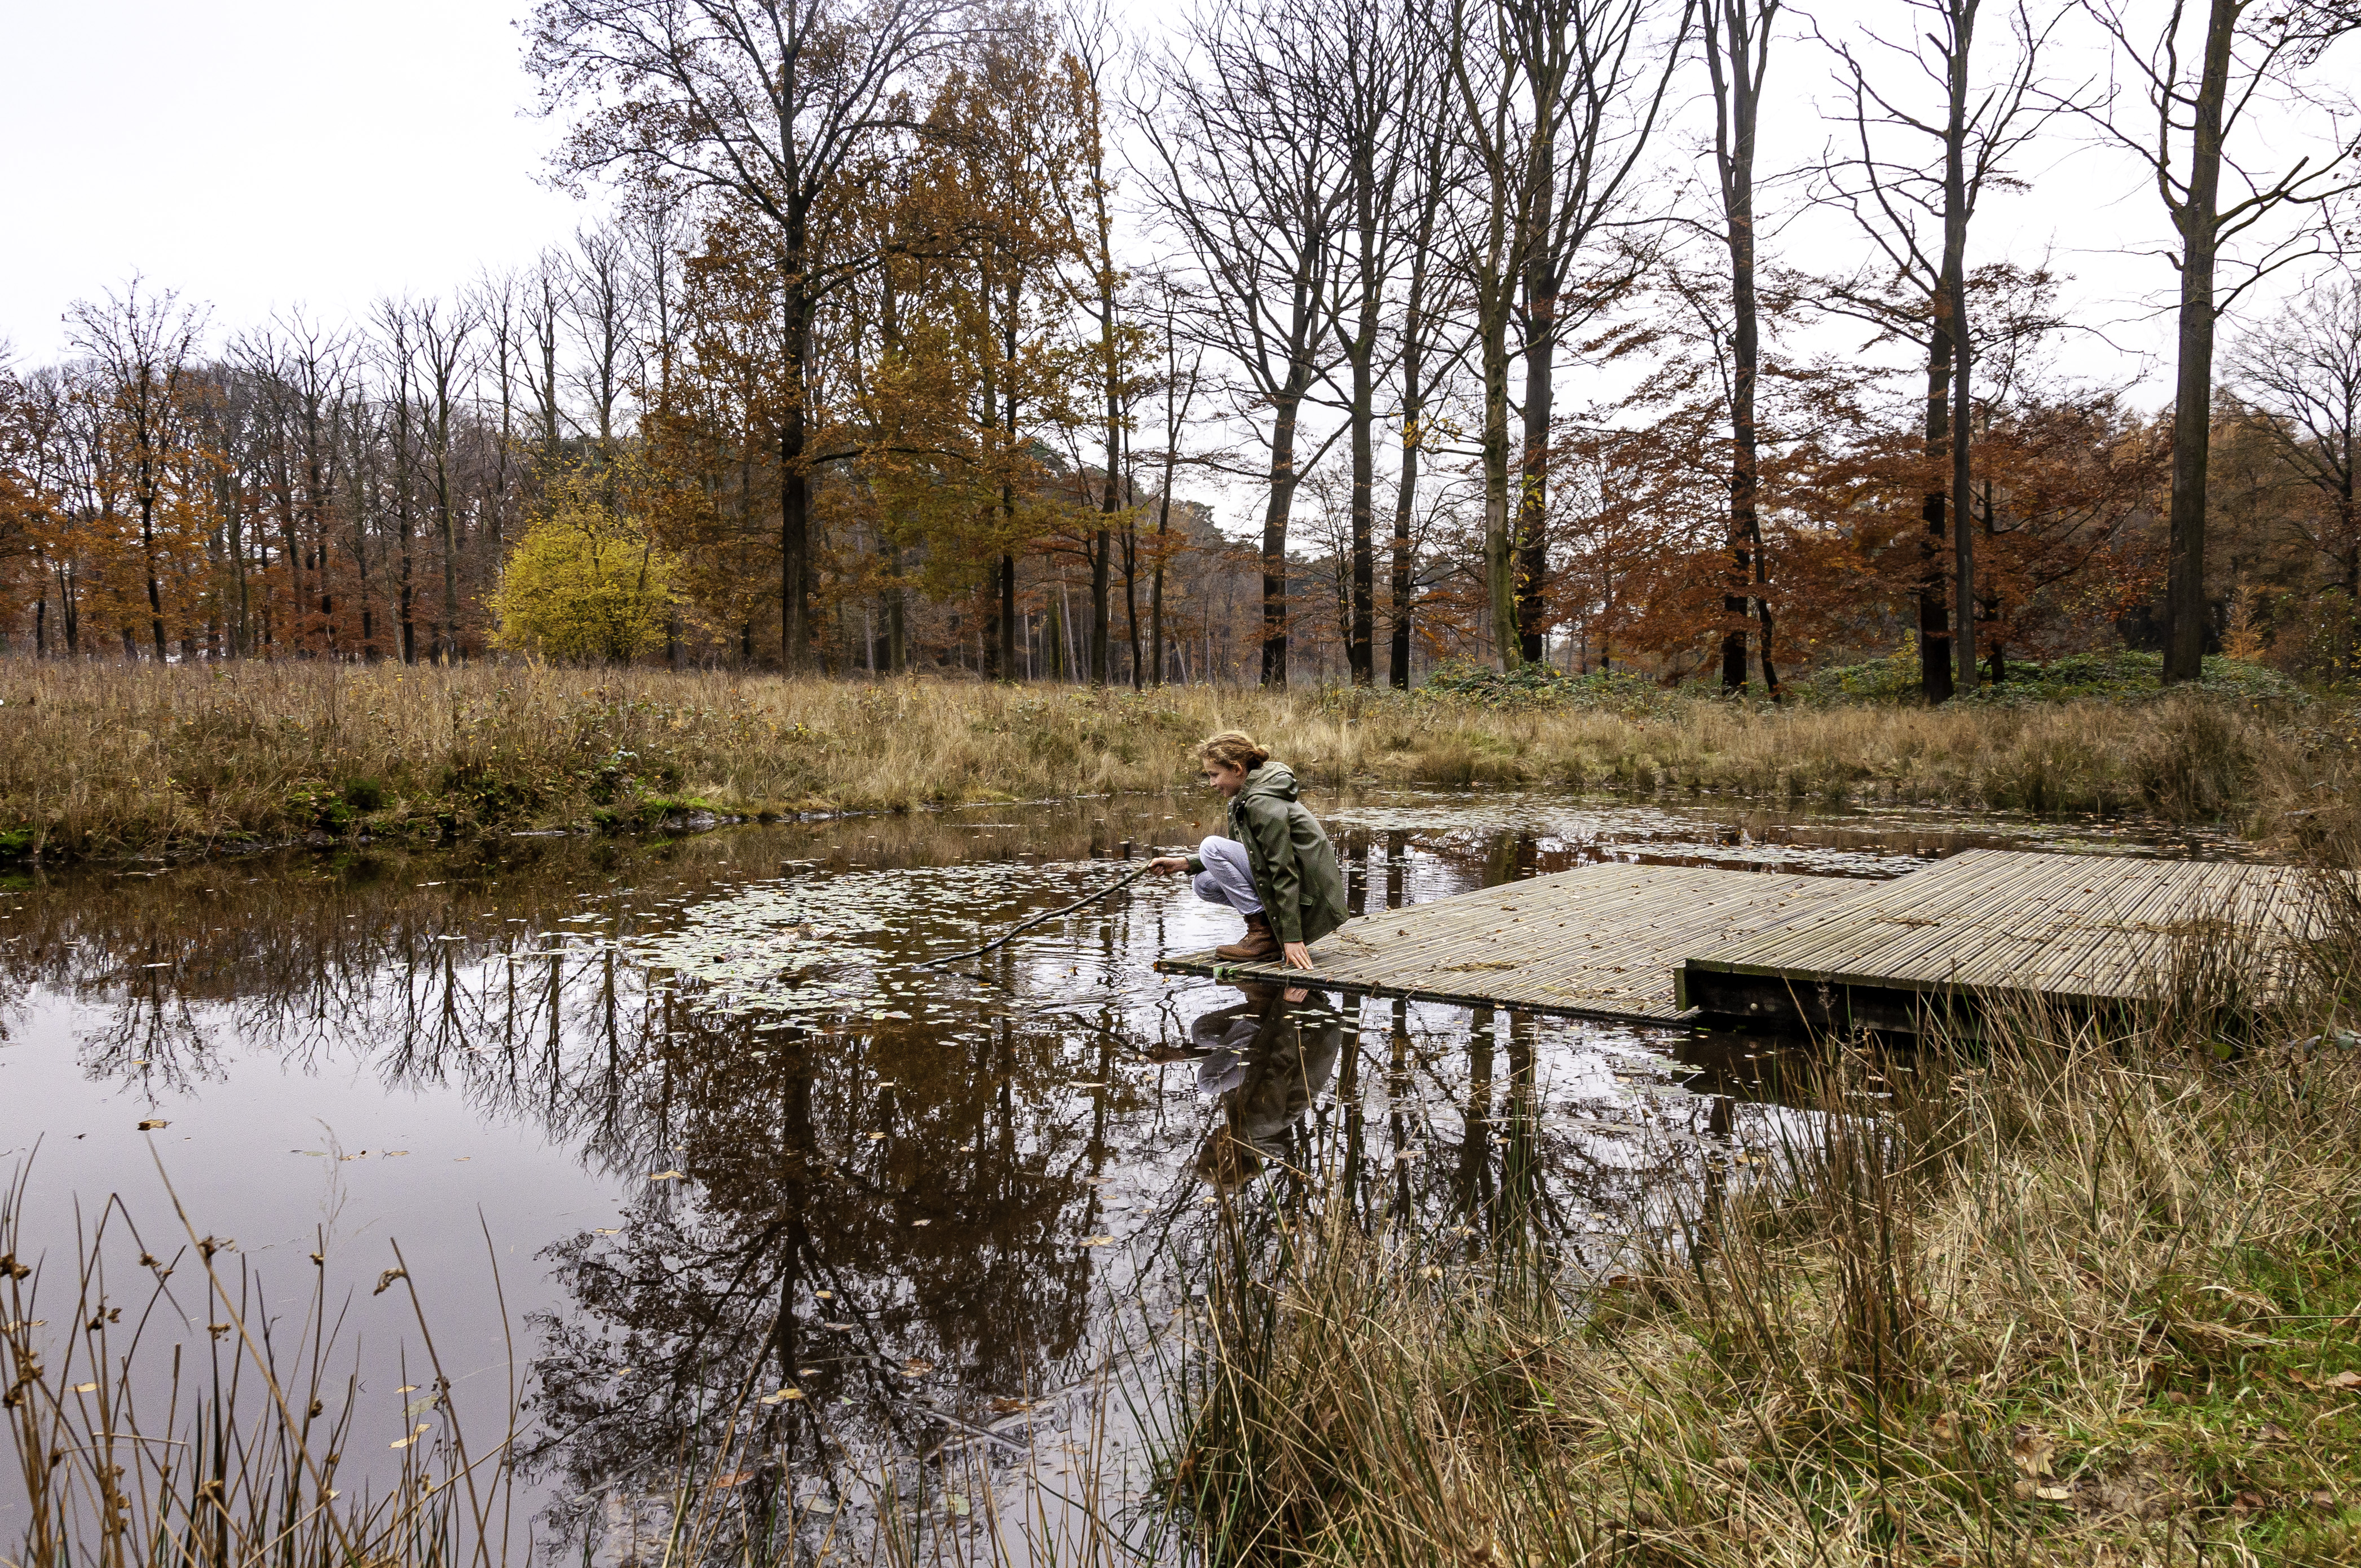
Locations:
(767, 104)
(1387, 71)
(601, 286)
(2249, 54)
(447, 368)
(1897, 197)
(1559, 98)
(1431, 350)
(144, 347)
(1738, 59)
(1255, 193)
(399, 349)
(1179, 395)
(2301, 371)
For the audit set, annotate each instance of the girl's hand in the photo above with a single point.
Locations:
(1296, 956)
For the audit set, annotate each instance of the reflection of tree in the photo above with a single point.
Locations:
(938, 1180)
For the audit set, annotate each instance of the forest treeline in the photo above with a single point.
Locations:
(915, 324)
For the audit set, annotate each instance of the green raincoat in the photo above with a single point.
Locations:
(1295, 872)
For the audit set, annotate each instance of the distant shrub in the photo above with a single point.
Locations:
(1546, 685)
(2120, 674)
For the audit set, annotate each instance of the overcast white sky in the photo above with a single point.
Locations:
(259, 155)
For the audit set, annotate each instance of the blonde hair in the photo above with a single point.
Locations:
(1233, 748)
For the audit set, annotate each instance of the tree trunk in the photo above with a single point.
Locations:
(1405, 498)
(1532, 542)
(1102, 580)
(794, 483)
(447, 526)
(1737, 60)
(1934, 617)
(2192, 406)
(1955, 286)
(1360, 624)
(1007, 640)
(1500, 573)
(1274, 531)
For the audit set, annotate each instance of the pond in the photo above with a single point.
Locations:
(669, 1129)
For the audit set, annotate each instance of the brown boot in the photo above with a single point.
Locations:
(1257, 946)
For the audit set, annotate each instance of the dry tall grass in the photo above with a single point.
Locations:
(195, 1424)
(110, 758)
(2077, 1296)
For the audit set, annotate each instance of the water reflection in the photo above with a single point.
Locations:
(919, 1218)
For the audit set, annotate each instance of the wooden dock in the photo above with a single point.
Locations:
(1993, 924)
(1600, 941)
(1661, 943)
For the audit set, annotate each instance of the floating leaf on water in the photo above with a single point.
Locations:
(152, 1123)
(85, 1387)
(957, 1504)
(385, 1281)
(782, 1397)
(1099, 1240)
(669, 1175)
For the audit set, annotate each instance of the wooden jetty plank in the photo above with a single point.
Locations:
(1642, 942)
(2084, 926)
(1598, 941)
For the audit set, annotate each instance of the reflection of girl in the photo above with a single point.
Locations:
(1289, 1051)
(1276, 866)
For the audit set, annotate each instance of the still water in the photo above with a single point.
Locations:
(658, 1124)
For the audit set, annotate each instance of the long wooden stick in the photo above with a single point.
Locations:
(1016, 931)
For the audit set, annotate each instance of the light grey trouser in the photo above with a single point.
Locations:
(1227, 878)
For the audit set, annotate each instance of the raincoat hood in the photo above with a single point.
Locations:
(1275, 779)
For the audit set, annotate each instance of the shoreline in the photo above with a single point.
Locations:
(106, 761)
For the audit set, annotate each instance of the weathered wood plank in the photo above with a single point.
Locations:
(1598, 941)
(1624, 941)
(2084, 926)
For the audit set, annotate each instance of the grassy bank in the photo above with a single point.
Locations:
(2092, 1300)
(98, 759)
